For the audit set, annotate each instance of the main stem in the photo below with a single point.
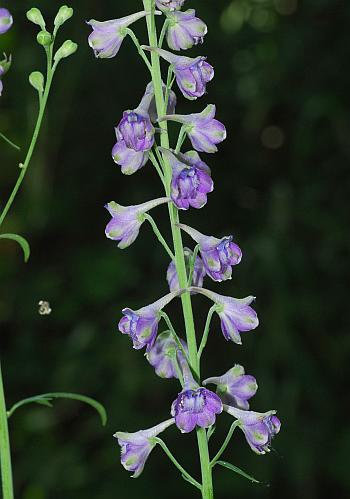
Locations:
(207, 483)
(5, 452)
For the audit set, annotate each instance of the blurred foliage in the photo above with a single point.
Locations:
(282, 187)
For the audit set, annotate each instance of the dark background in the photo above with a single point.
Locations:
(282, 188)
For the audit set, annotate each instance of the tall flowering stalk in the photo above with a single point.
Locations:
(187, 181)
(42, 85)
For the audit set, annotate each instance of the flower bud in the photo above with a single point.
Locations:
(68, 48)
(36, 79)
(35, 16)
(44, 38)
(63, 15)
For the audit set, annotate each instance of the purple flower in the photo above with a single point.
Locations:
(136, 447)
(129, 160)
(164, 354)
(258, 428)
(169, 5)
(185, 30)
(142, 325)
(136, 130)
(191, 180)
(235, 314)
(6, 20)
(192, 75)
(150, 104)
(127, 220)
(107, 36)
(219, 255)
(203, 130)
(195, 407)
(235, 387)
(4, 67)
(199, 271)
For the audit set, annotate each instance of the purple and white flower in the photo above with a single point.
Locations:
(164, 355)
(203, 130)
(136, 130)
(219, 255)
(235, 314)
(199, 271)
(235, 387)
(258, 428)
(192, 75)
(196, 407)
(191, 180)
(185, 30)
(169, 5)
(6, 20)
(107, 36)
(142, 325)
(4, 67)
(127, 220)
(136, 447)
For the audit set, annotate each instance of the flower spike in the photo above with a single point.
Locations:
(127, 220)
(203, 130)
(136, 447)
(236, 314)
(192, 75)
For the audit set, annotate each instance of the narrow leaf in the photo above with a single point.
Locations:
(45, 399)
(237, 470)
(21, 241)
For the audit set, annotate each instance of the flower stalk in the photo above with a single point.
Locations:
(207, 483)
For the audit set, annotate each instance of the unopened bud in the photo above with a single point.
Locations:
(35, 16)
(63, 15)
(36, 79)
(68, 48)
(44, 38)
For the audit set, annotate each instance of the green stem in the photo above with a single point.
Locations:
(163, 33)
(206, 331)
(12, 144)
(173, 332)
(132, 35)
(5, 452)
(24, 167)
(159, 235)
(176, 463)
(181, 139)
(149, 6)
(225, 444)
(192, 266)
(157, 166)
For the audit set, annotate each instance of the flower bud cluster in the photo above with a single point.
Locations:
(187, 179)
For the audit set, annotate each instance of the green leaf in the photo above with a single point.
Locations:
(237, 470)
(46, 398)
(21, 241)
